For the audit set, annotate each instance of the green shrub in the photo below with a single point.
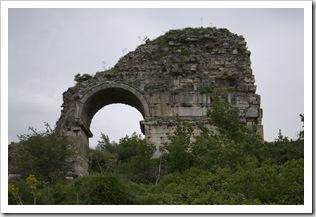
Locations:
(101, 189)
(81, 78)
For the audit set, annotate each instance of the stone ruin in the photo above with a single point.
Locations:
(176, 75)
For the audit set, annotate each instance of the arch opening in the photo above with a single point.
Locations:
(98, 98)
(116, 121)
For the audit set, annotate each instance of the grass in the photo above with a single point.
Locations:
(113, 69)
(217, 90)
(185, 53)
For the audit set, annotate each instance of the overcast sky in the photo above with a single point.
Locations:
(47, 47)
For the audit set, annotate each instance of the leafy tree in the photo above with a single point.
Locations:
(238, 140)
(139, 170)
(131, 158)
(48, 155)
(225, 118)
(129, 147)
(179, 156)
(301, 133)
(104, 156)
(206, 149)
(102, 161)
(105, 145)
(282, 149)
(135, 159)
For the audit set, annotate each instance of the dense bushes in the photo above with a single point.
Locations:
(233, 166)
(47, 155)
(102, 189)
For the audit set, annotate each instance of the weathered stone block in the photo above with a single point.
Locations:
(252, 88)
(171, 43)
(155, 99)
(193, 67)
(241, 102)
(252, 113)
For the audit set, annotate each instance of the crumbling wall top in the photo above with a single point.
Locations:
(198, 62)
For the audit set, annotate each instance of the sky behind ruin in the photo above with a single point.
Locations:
(47, 47)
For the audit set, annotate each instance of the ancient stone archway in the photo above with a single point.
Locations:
(109, 93)
(89, 103)
(174, 76)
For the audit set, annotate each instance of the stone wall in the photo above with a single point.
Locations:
(175, 75)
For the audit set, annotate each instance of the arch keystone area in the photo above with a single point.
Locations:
(108, 93)
(176, 75)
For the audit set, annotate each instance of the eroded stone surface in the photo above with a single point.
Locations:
(177, 74)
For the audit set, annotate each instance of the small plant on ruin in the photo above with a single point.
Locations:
(81, 78)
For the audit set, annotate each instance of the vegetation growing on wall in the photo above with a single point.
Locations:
(81, 78)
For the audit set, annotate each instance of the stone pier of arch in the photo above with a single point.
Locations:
(175, 76)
